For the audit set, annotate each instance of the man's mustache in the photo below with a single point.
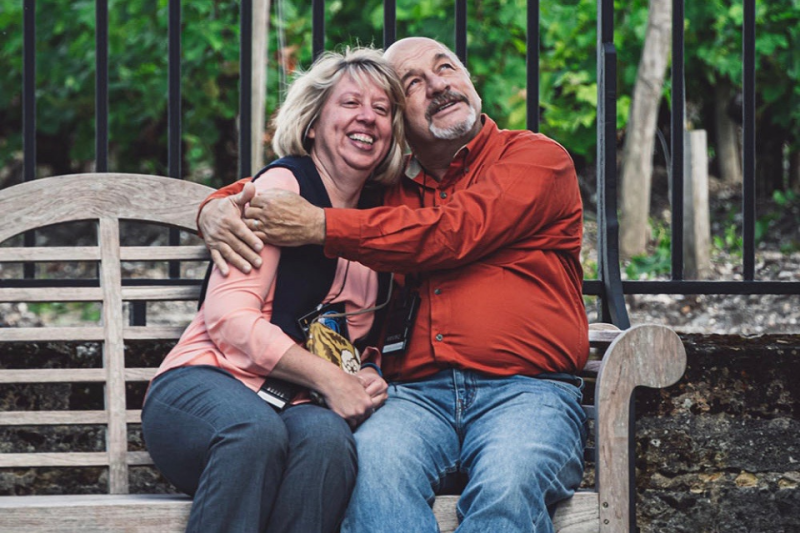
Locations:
(442, 99)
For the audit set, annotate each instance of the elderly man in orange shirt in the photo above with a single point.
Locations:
(488, 327)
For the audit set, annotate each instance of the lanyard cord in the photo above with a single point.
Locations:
(367, 310)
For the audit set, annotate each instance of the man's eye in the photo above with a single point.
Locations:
(446, 66)
(412, 83)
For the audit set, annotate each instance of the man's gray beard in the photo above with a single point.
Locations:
(457, 130)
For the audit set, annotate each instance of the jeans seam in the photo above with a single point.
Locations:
(579, 441)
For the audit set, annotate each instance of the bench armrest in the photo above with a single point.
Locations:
(646, 355)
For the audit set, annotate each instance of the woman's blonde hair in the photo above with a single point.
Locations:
(310, 90)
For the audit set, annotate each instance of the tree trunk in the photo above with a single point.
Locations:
(729, 154)
(769, 159)
(637, 156)
(794, 170)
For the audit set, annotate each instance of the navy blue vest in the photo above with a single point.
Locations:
(304, 274)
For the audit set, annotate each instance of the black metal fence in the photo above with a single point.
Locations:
(609, 286)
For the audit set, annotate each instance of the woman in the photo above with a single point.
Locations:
(251, 467)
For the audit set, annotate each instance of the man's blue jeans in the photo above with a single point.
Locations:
(248, 468)
(518, 440)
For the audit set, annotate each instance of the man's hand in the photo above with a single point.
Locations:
(284, 218)
(227, 236)
(375, 386)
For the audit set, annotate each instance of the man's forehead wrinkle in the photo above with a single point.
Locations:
(406, 66)
(442, 55)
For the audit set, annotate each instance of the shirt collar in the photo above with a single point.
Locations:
(467, 153)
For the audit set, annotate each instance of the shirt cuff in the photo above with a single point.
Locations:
(342, 231)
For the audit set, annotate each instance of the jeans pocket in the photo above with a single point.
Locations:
(572, 390)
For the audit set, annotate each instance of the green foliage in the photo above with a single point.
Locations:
(138, 80)
(714, 55)
(496, 58)
(589, 268)
(656, 263)
(784, 198)
(730, 242)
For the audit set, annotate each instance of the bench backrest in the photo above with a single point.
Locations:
(107, 200)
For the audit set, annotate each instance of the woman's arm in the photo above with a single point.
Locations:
(235, 319)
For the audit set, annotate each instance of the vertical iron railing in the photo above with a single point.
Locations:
(174, 151)
(389, 23)
(677, 128)
(609, 289)
(461, 30)
(749, 140)
(29, 111)
(532, 66)
(245, 86)
(29, 90)
(101, 86)
(317, 27)
(749, 285)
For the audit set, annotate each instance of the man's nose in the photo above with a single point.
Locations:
(437, 84)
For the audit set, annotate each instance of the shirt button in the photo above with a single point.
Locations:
(437, 291)
(439, 337)
(443, 195)
(466, 169)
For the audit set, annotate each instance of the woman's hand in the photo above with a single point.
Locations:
(353, 397)
(376, 386)
(347, 396)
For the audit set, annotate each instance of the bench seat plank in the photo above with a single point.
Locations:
(167, 513)
(579, 514)
(101, 513)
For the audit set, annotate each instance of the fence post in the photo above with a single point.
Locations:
(696, 220)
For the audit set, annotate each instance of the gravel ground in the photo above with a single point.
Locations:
(726, 313)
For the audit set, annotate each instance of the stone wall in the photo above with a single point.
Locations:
(719, 452)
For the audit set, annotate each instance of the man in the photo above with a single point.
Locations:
(485, 228)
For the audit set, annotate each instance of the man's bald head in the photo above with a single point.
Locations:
(441, 101)
(400, 50)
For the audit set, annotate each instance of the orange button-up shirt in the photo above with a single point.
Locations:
(495, 248)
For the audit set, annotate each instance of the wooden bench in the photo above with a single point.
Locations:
(651, 356)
